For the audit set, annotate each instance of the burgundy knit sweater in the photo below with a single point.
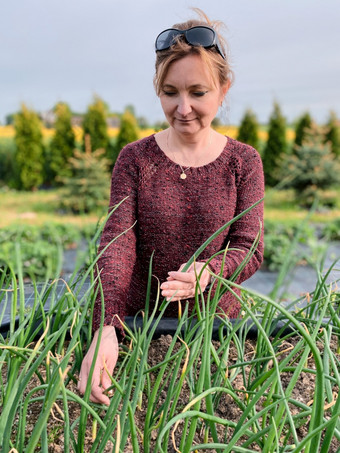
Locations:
(172, 217)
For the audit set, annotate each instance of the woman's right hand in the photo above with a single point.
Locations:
(106, 360)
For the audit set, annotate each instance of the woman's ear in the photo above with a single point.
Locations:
(224, 90)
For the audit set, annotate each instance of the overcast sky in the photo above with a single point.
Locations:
(69, 50)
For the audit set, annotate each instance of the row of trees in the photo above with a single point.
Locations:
(37, 163)
(309, 165)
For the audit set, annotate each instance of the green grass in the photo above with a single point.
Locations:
(34, 220)
(281, 206)
(37, 208)
(270, 412)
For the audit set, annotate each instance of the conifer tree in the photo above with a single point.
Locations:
(94, 125)
(332, 134)
(128, 132)
(303, 124)
(87, 189)
(63, 143)
(7, 164)
(312, 168)
(276, 146)
(248, 130)
(29, 149)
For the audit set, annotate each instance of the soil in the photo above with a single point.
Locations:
(227, 409)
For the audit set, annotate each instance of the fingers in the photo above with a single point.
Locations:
(106, 374)
(178, 295)
(187, 277)
(101, 399)
(182, 285)
(177, 284)
(103, 368)
(100, 382)
(97, 395)
(177, 289)
(106, 382)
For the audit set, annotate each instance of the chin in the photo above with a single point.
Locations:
(192, 126)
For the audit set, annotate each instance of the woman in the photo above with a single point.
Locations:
(179, 186)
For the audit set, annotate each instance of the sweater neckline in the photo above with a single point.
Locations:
(220, 160)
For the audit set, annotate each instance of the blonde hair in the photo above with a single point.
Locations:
(219, 67)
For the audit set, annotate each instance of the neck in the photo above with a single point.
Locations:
(189, 151)
(190, 141)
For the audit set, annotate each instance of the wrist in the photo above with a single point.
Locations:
(107, 330)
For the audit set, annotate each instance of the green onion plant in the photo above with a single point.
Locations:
(179, 404)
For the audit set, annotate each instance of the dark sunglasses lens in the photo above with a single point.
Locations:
(200, 36)
(165, 39)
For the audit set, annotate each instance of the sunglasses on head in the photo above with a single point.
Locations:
(195, 36)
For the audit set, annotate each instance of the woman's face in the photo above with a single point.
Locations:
(189, 96)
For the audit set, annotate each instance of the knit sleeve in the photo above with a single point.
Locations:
(117, 250)
(243, 232)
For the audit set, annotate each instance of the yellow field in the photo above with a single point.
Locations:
(231, 131)
(8, 132)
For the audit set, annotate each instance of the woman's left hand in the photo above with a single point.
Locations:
(182, 285)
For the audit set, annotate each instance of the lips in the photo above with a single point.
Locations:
(185, 121)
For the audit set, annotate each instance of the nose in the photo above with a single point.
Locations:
(184, 106)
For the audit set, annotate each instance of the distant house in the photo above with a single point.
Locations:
(48, 118)
(113, 121)
(77, 120)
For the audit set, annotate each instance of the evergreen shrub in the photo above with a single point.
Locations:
(312, 168)
(275, 148)
(8, 166)
(62, 144)
(29, 149)
(95, 125)
(128, 132)
(87, 189)
(332, 134)
(248, 130)
(302, 126)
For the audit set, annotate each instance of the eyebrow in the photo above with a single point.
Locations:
(194, 87)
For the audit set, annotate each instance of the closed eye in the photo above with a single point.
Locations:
(200, 93)
(169, 93)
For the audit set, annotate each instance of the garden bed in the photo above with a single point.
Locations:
(227, 409)
(187, 391)
(194, 390)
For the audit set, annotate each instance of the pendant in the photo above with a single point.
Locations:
(183, 176)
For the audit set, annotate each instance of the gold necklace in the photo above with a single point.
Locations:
(183, 175)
